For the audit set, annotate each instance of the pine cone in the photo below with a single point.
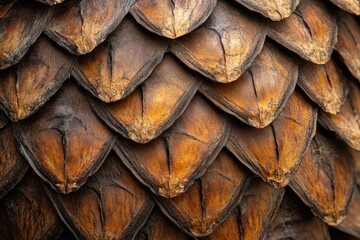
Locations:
(159, 119)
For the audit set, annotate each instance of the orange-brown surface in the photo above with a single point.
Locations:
(179, 119)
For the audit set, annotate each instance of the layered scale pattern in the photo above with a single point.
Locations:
(179, 119)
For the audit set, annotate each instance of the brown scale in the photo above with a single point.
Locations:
(167, 84)
(261, 92)
(169, 164)
(286, 139)
(65, 142)
(155, 105)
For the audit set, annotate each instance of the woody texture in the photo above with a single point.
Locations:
(180, 119)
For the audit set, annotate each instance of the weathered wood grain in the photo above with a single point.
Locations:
(155, 105)
(79, 26)
(346, 123)
(311, 31)
(348, 42)
(225, 45)
(294, 221)
(325, 179)
(28, 85)
(261, 92)
(114, 69)
(172, 18)
(207, 203)
(275, 152)
(325, 84)
(275, 10)
(111, 205)
(17, 34)
(169, 164)
(27, 213)
(12, 166)
(65, 142)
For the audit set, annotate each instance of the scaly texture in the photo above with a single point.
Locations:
(179, 119)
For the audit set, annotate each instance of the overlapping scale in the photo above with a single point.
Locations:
(160, 227)
(346, 124)
(155, 105)
(275, 152)
(169, 164)
(229, 229)
(261, 92)
(79, 26)
(26, 86)
(150, 97)
(114, 69)
(200, 209)
(111, 205)
(177, 18)
(351, 6)
(65, 142)
(27, 213)
(348, 42)
(254, 214)
(311, 31)
(294, 221)
(325, 84)
(20, 25)
(12, 166)
(258, 208)
(325, 180)
(225, 45)
(275, 10)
